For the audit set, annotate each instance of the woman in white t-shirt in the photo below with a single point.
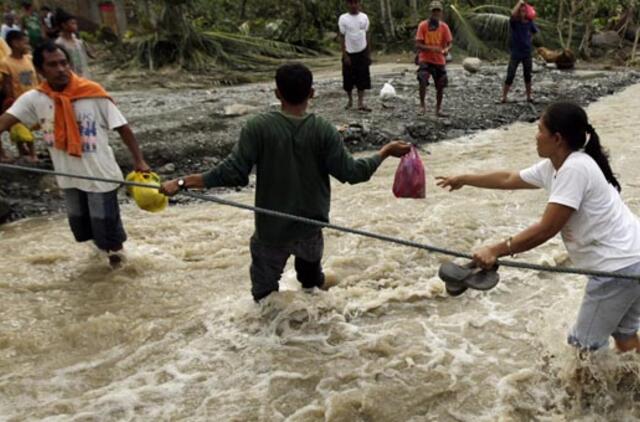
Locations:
(585, 206)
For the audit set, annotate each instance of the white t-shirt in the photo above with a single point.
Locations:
(95, 117)
(603, 234)
(354, 28)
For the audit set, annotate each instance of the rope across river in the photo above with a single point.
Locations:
(322, 224)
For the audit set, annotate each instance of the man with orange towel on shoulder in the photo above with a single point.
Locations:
(75, 115)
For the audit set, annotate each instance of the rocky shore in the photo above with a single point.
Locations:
(191, 130)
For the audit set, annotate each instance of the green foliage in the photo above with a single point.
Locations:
(171, 37)
(200, 34)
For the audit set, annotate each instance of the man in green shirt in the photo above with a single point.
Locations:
(31, 24)
(294, 154)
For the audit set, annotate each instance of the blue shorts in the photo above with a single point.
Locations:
(610, 307)
(95, 216)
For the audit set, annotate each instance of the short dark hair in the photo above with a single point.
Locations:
(49, 47)
(294, 81)
(62, 16)
(14, 35)
(45, 9)
(26, 4)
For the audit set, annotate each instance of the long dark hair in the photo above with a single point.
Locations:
(571, 121)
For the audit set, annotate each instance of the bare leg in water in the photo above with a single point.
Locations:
(627, 345)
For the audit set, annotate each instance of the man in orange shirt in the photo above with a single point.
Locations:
(433, 42)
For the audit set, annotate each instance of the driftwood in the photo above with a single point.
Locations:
(564, 59)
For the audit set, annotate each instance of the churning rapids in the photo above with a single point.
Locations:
(174, 335)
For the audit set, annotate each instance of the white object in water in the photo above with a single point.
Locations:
(388, 91)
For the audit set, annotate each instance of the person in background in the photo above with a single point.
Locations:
(32, 24)
(522, 32)
(433, 41)
(585, 206)
(76, 48)
(19, 76)
(46, 19)
(5, 50)
(76, 115)
(9, 25)
(295, 153)
(356, 53)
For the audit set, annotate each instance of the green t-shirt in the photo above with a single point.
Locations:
(294, 158)
(33, 28)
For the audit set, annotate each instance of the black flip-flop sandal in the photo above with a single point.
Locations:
(459, 278)
(453, 276)
(483, 280)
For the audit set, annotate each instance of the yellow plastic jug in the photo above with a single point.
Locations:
(148, 199)
(20, 133)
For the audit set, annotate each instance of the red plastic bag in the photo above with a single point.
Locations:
(410, 181)
(531, 12)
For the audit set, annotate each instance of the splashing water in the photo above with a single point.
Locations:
(174, 335)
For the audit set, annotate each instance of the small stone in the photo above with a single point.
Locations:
(472, 64)
(238, 110)
(167, 168)
(211, 160)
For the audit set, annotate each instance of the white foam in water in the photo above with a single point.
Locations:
(175, 335)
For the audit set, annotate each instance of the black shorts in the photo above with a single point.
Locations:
(435, 71)
(95, 216)
(527, 67)
(357, 75)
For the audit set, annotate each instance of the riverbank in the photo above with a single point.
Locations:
(190, 130)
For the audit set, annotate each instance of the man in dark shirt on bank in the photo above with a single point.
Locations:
(522, 31)
(294, 152)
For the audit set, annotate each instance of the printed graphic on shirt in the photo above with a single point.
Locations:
(26, 78)
(48, 135)
(88, 132)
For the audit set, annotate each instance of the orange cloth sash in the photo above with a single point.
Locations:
(67, 133)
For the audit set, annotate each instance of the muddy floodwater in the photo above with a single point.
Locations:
(174, 335)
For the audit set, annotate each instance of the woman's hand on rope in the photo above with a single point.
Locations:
(485, 257)
(453, 183)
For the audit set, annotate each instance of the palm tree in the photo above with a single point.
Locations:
(170, 37)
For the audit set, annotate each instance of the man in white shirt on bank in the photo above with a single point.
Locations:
(356, 53)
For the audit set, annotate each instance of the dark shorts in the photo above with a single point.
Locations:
(95, 216)
(357, 75)
(435, 71)
(527, 66)
(268, 262)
